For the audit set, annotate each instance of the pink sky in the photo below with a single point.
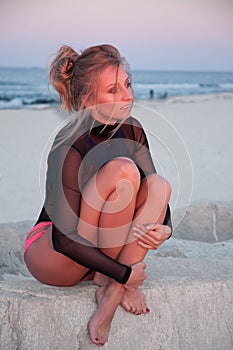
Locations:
(151, 34)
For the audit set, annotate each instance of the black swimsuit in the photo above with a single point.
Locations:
(70, 165)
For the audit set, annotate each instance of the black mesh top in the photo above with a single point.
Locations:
(70, 165)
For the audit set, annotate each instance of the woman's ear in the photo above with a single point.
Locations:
(87, 100)
(84, 101)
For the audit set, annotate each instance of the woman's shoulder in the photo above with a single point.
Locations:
(134, 121)
(69, 136)
(135, 124)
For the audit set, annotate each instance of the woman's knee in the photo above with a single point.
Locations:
(123, 168)
(157, 184)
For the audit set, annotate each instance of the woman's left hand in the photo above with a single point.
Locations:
(151, 236)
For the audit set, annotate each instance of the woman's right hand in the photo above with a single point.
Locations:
(137, 276)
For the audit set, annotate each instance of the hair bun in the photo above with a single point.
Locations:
(65, 61)
(69, 66)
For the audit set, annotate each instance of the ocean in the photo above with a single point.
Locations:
(28, 87)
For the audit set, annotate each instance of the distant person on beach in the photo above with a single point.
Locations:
(105, 206)
(151, 94)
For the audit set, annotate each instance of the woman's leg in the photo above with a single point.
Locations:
(114, 218)
(151, 206)
(51, 267)
(152, 200)
(107, 210)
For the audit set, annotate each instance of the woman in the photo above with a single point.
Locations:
(105, 205)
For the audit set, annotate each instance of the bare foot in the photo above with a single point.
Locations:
(99, 294)
(99, 325)
(100, 279)
(134, 302)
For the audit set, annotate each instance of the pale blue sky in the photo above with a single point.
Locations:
(151, 34)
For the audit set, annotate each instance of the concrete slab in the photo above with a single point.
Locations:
(189, 291)
(190, 302)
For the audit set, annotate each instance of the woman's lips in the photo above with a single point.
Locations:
(126, 106)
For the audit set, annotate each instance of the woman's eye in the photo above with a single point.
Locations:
(113, 91)
(129, 84)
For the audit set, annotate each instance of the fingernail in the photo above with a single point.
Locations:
(149, 226)
(147, 310)
(168, 230)
(96, 339)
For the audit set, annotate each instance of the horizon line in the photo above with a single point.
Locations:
(138, 69)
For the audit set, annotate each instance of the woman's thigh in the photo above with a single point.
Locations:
(51, 267)
(152, 200)
(108, 197)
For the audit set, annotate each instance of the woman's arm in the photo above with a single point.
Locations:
(151, 236)
(144, 160)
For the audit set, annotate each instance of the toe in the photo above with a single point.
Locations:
(97, 341)
(133, 310)
(126, 307)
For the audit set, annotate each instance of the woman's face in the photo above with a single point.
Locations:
(114, 95)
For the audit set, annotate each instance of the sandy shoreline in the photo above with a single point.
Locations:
(186, 134)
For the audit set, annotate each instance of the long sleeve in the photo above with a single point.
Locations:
(63, 174)
(144, 160)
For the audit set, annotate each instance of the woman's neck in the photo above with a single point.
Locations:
(98, 127)
(101, 120)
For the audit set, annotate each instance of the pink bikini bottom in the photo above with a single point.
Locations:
(43, 226)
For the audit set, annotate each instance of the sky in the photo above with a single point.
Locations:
(151, 34)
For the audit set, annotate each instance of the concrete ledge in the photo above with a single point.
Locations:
(205, 222)
(189, 291)
(189, 310)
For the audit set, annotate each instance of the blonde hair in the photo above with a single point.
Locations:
(75, 76)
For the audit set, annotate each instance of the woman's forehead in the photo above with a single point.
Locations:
(111, 74)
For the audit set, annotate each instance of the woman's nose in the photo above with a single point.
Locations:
(127, 94)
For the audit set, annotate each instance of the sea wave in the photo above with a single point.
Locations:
(158, 91)
(28, 87)
(165, 86)
(25, 102)
(12, 83)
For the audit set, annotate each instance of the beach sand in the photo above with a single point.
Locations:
(189, 278)
(190, 139)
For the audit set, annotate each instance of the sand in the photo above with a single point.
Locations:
(191, 144)
(190, 139)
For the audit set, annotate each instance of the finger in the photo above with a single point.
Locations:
(147, 239)
(139, 231)
(167, 229)
(140, 227)
(149, 233)
(147, 246)
(152, 226)
(161, 228)
(131, 288)
(160, 235)
(152, 245)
